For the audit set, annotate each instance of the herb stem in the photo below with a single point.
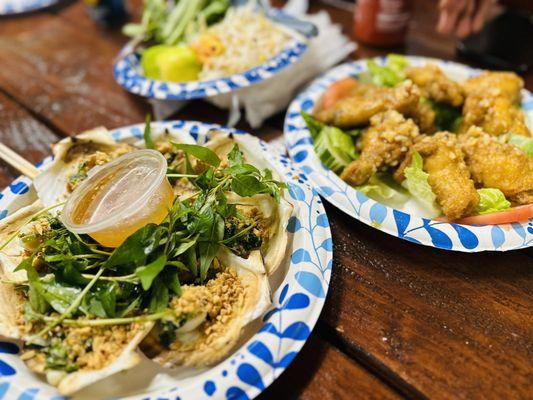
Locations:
(189, 196)
(131, 278)
(239, 234)
(36, 215)
(91, 246)
(99, 256)
(114, 321)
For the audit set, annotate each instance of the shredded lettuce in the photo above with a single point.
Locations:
(491, 200)
(382, 188)
(389, 74)
(523, 143)
(416, 182)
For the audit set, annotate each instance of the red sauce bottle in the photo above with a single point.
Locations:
(381, 22)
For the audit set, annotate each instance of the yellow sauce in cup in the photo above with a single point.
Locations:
(120, 197)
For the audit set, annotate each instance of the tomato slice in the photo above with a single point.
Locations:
(515, 214)
(337, 91)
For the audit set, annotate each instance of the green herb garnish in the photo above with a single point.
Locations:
(73, 281)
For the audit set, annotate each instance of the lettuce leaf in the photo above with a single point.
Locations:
(335, 148)
(383, 189)
(389, 74)
(491, 200)
(523, 143)
(416, 182)
(312, 124)
(397, 63)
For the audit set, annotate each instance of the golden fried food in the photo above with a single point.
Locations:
(496, 115)
(492, 103)
(494, 164)
(505, 84)
(383, 145)
(424, 116)
(435, 85)
(448, 174)
(368, 100)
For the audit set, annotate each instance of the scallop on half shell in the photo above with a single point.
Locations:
(214, 314)
(276, 214)
(123, 340)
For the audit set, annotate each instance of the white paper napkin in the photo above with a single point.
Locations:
(266, 98)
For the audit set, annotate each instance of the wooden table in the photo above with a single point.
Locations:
(400, 321)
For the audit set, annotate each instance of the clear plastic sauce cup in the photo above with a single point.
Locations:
(120, 197)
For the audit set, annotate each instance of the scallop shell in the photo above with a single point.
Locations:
(275, 248)
(128, 358)
(256, 300)
(51, 185)
(13, 254)
(11, 304)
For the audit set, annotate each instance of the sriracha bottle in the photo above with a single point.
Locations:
(381, 23)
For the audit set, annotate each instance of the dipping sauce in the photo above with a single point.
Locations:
(120, 197)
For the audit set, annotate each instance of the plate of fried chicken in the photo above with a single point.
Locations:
(431, 151)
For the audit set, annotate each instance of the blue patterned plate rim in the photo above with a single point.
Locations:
(443, 235)
(285, 327)
(12, 7)
(127, 72)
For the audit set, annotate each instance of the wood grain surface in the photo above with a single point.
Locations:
(400, 320)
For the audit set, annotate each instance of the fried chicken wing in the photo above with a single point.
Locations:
(498, 165)
(506, 84)
(434, 84)
(496, 115)
(383, 145)
(363, 103)
(424, 116)
(492, 103)
(448, 174)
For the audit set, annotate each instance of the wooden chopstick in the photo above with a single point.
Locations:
(16, 161)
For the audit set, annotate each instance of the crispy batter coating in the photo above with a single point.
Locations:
(424, 116)
(368, 100)
(496, 115)
(434, 84)
(492, 103)
(498, 165)
(383, 145)
(448, 174)
(506, 84)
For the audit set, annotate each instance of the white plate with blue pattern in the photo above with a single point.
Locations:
(467, 238)
(9, 7)
(128, 73)
(264, 354)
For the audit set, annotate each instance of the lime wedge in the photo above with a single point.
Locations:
(171, 63)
